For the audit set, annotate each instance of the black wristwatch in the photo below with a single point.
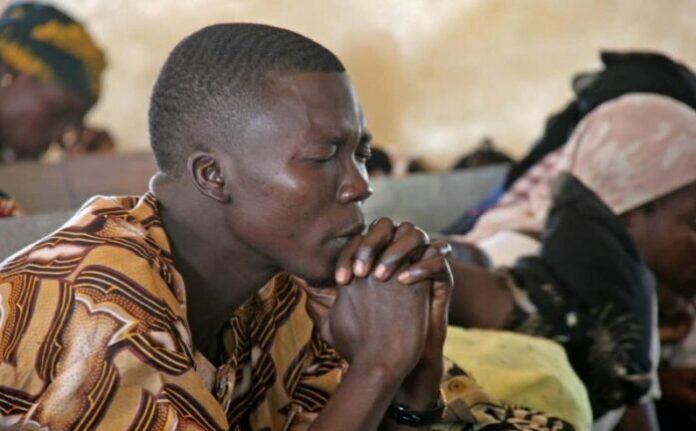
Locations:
(403, 416)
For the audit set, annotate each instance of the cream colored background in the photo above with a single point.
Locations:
(434, 76)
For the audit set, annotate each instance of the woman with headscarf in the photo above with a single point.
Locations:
(623, 210)
(623, 73)
(50, 77)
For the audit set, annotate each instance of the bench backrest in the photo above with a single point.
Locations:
(431, 201)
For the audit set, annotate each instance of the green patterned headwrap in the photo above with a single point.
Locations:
(41, 41)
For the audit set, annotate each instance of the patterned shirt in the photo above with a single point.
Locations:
(93, 335)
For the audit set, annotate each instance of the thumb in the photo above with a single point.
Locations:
(439, 304)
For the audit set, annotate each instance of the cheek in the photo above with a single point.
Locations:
(674, 255)
(291, 203)
(26, 125)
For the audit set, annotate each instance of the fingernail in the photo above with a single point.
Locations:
(342, 275)
(359, 268)
(381, 271)
(404, 276)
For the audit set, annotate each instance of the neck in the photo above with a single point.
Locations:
(220, 273)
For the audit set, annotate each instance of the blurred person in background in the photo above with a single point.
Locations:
(378, 164)
(404, 164)
(484, 154)
(586, 259)
(623, 73)
(416, 166)
(50, 77)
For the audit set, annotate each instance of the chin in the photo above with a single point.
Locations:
(322, 275)
(317, 277)
(317, 268)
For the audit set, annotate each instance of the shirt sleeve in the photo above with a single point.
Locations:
(99, 352)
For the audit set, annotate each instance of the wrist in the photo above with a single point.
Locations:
(376, 374)
(420, 390)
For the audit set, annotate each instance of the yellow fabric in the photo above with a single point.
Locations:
(519, 369)
(74, 39)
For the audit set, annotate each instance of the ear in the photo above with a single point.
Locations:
(207, 176)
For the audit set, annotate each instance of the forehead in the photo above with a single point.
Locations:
(312, 104)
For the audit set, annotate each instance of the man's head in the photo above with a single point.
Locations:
(50, 76)
(260, 128)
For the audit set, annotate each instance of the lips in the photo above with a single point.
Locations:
(351, 231)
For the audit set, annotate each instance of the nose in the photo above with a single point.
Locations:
(355, 186)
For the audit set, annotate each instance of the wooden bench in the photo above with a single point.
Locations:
(40, 188)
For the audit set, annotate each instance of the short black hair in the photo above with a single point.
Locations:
(213, 77)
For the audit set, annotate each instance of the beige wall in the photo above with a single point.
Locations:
(434, 76)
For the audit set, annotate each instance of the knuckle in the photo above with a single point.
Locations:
(390, 259)
(406, 226)
(382, 221)
(418, 236)
(365, 251)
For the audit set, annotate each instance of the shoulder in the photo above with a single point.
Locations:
(103, 233)
(101, 265)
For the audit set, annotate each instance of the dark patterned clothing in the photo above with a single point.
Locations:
(591, 291)
(93, 335)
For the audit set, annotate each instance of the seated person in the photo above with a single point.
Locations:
(626, 214)
(50, 77)
(175, 310)
(623, 73)
(485, 154)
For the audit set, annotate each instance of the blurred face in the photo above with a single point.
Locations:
(666, 235)
(33, 114)
(298, 178)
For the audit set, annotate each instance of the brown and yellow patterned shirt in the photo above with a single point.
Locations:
(93, 335)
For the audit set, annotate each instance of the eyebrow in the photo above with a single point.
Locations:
(365, 139)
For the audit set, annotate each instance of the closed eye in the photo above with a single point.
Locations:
(322, 153)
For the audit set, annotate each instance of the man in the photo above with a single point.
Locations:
(151, 312)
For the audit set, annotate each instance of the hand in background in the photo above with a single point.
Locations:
(87, 141)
